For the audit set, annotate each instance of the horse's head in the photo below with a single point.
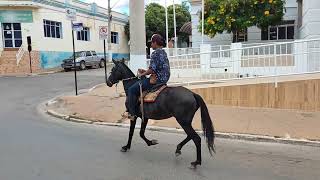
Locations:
(119, 72)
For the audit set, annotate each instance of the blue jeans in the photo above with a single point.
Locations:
(134, 93)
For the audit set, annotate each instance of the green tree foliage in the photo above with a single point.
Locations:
(156, 20)
(237, 15)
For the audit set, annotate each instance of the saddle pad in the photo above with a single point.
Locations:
(152, 96)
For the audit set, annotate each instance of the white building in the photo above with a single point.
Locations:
(301, 20)
(45, 21)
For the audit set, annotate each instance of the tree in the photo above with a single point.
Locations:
(237, 15)
(156, 21)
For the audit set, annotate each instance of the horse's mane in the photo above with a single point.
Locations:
(127, 69)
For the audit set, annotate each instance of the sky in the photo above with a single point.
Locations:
(123, 5)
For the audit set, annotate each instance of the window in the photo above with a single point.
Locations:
(88, 53)
(280, 32)
(84, 35)
(114, 37)
(240, 36)
(12, 35)
(52, 29)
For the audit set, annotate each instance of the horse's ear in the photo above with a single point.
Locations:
(122, 60)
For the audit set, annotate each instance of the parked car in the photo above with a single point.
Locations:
(84, 59)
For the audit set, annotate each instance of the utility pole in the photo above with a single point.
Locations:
(109, 31)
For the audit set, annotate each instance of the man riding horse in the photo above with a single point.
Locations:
(159, 70)
(178, 102)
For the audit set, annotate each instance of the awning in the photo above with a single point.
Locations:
(187, 28)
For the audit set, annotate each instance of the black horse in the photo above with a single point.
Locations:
(177, 102)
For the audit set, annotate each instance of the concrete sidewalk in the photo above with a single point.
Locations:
(104, 104)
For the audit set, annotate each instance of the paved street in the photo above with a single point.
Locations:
(37, 147)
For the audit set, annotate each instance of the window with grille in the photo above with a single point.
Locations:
(283, 31)
(240, 36)
(52, 29)
(84, 35)
(115, 37)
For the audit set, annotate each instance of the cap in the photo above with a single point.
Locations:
(157, 38)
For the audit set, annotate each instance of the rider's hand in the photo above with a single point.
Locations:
(140, 71)
(140, 75)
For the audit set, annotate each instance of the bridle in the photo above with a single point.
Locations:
(128, 79)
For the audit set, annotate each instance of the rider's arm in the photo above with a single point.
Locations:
(147, 72)
(141, 71)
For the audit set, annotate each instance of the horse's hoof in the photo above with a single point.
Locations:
(153, 142)
(194, 165)
(124, 149)
(178, 153)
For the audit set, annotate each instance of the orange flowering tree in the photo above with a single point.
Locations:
(237, 15)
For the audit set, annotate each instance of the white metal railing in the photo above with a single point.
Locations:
(274, 59)
(181, 51)
(20, 54)
(192, 50)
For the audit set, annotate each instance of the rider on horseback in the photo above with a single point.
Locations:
(159, 70)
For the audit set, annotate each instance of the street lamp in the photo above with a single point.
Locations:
(202, 33)
(175, 25)
(167, 31)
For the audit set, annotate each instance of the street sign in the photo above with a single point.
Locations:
(77, 26)
(71, 14)
(103, 32)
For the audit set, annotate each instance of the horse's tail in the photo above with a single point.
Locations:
(207, 127)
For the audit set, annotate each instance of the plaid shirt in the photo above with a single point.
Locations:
(159, 64)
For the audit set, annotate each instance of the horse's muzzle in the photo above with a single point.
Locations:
(109, 83)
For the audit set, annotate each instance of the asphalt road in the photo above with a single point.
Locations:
(34, 146)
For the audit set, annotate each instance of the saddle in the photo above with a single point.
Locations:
(150, 96)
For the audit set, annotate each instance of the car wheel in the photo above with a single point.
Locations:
(82, 65)
(67, 69)
(102, 63)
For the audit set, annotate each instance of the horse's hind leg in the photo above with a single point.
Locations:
(142, 132)
(132, 126)
(180, 145)
(197, 141)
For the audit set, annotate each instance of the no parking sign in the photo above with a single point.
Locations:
(103, 32)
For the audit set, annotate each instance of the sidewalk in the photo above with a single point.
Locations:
(103, 104)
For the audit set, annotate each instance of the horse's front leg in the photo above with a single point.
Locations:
(142, 131)
(132, 126)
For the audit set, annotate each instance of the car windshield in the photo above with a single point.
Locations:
(77, 54)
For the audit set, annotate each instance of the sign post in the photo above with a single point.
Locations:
(103, 34)
(71, 15)
(29, 49)
(109, 32)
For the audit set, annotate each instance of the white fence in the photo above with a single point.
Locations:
(296, 57)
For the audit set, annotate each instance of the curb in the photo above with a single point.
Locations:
(31, 75)
(234, 136)
(96, 86)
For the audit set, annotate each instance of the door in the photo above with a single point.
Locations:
(95, 59)
(89, 59)
(12, 35)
